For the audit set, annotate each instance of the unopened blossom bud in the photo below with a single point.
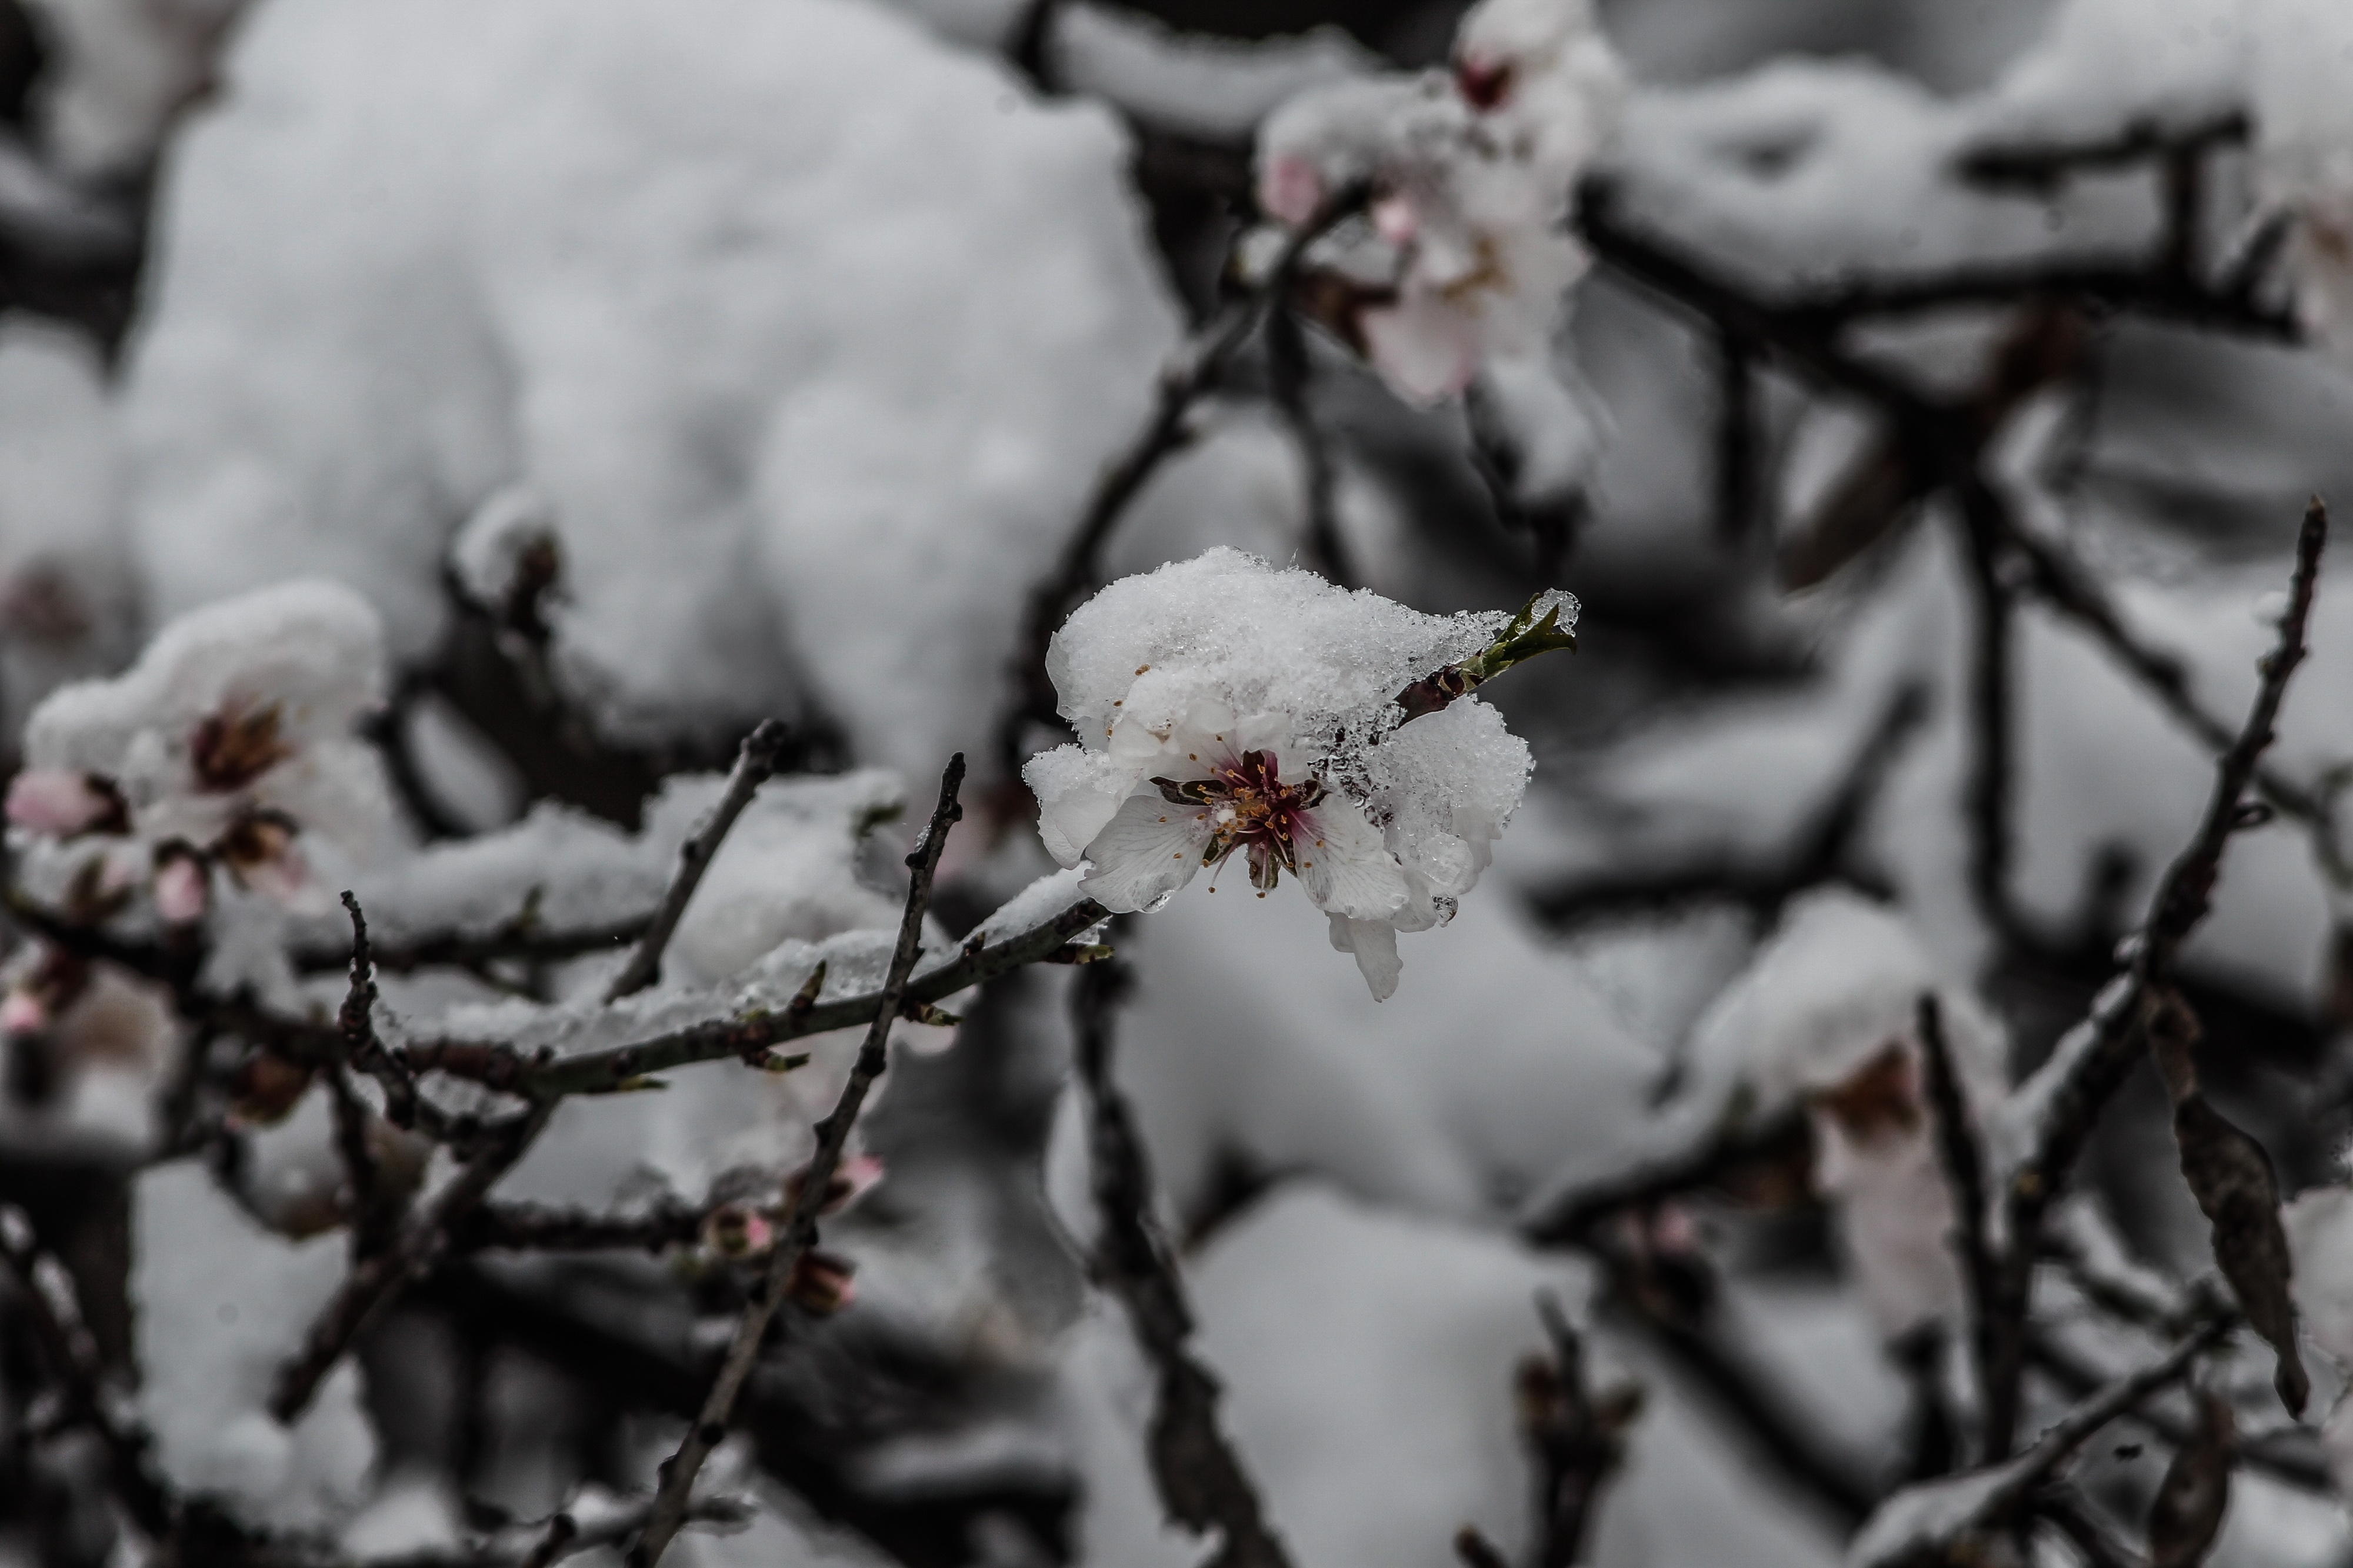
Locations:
(181, 894)
(737, 1231)
(62, 801)
(23, 1013)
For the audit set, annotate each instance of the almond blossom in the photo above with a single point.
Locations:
(229, 747)
(1464, 253)
(1827, 1018)
(1229, 710)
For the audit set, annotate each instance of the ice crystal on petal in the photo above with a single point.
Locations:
(1232, 714)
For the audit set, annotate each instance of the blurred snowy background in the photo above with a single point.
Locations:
(507, 404)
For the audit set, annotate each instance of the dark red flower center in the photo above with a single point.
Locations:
(1251, 810)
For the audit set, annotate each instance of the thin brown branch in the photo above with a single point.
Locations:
(372, 1283)
(800, 1230)
(1905, 1534)
(65, 1339)
(1823, 850)
(2064, 584)
(1202, 1481)
(534, 1228)
(2091, 1065)
(1963, 1164)
(1578, 1440)
(1566, 1216)
(1290, 371)
(754, 767)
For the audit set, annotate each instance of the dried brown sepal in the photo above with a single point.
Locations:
(2230, 1176)
(2186, 1512)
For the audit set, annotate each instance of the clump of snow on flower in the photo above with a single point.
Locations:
(1463, 254)
(808, 330)
(229, 747)
(2303, 161)
(217, 1303)
(1229, 710)
(1827, 1017)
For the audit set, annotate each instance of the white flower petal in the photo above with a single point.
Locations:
(1149, 850)
(1374, 942)
(1344, 864)
(1077, 794)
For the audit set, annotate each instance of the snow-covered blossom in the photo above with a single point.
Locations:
(1463, 254)
(1229, 710)
(1827, 1017)
(229, 745)
(2304, 160)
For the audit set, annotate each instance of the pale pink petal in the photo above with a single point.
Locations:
(1394, 220)
(1147, 851)
(56, 800)
(1424, 348)
(180, 891)
(23, 1014)
(1345, 867)
(1290, 189)
(863, 1173)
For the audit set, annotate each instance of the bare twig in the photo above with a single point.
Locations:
(1567, 1215)
(372, 1283)
(754, 767)
(1988, 794)
(1202, 1483)
(1905, 1534)
(532, 1227)
(1964, 1162)
(1822, 851)
(2063, 583)
(1579, 1440)
(65, 1339)
(2072, 1088)
(800, 1233)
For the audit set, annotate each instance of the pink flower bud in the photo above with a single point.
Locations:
(1394, 220)
(1291, 189)
(23, 1014)
(180, 890)
(58, 800)
(822, 1284)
